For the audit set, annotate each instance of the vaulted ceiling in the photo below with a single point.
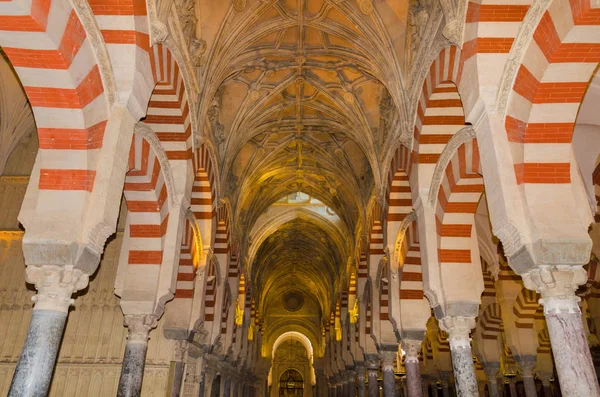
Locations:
(301, 96)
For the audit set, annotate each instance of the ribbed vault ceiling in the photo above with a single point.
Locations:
(299, 105)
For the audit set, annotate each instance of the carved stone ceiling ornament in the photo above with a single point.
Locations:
(300, 104)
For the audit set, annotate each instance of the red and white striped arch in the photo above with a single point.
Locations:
(457, 200)
(168, 111)
(525, 308)
(490, 30)
(439, 114)
(544, 345)
(411, 275)
(204, 194)
(48, 46)
(210, 292)
(125, 28)
(147, 206)
(188, 260)
(490, 321)
(398, 194)
(548, 89)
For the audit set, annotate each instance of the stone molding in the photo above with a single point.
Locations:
(55, 286)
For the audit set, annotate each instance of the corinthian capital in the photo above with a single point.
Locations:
(557, 285)
(412, 348)
(139, 326)
(458, 329)
(55, 286)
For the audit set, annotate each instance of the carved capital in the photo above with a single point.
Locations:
(372, 362)
(361, 373)
(387, 360)
(139, 326)
(557, 285)
(491, 370)
(411, 348)
(527, 365)
(55, 285)
(458, 329)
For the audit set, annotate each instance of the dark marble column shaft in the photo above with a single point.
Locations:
(55, 285)
(36, 364)
(491, 371)
(389, 379)
(134, 359)
(361, 375)
(412, 347)
(373, 386)
(227, 388)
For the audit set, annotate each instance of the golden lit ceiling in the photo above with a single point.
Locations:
(296, 100)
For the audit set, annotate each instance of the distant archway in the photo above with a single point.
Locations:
(291, 383)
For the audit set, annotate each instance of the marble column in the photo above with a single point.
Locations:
(411, 364)
(361, 374)
(134, 359)
(481, 386)
(425, 386)
(236, 389)
(512, 384)
(227, 388)
(526, 365)
(178, 361)
(351, 383)
(491, 370)
(345, 387)
(372, 370)
(545, 378)
(387, 367)
(547, 388)
(55, 286)
(572, 358)
(458, 329)
(445, 378)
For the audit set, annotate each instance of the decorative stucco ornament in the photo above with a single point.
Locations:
(366, 6)
(239, 5)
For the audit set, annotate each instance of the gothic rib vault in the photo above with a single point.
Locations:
(299, 197)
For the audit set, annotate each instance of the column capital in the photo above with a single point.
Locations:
(545, 377)
(458, 329)
(139, 326)
(361, 372)
(491, 369)
(55, 286)
(411, 348)
(557, 285)
(372, 362)
(526, 364)
(387, 360)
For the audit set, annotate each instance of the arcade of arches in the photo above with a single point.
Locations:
(250, 198)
